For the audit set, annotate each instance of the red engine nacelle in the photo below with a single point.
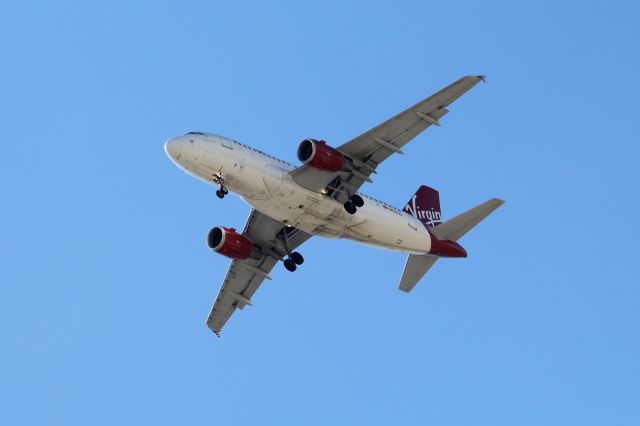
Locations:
(228, 242)
(319, 155)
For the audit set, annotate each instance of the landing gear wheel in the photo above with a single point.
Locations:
(357, 200)
(349, 207)
(220, 194)
(289, 265)
(297, 258)
(224, 190)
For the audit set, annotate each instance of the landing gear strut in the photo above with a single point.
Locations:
(219, 179)
(351, 206)
(293, 258)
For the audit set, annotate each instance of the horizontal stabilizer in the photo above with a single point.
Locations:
(414, 270)
(453, 229)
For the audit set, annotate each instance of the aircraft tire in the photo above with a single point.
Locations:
(289, 265)
(357, 200)
(350, 208)
(297, 258)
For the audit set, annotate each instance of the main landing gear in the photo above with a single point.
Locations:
(291, 263)
(293, 258)
(351, 206)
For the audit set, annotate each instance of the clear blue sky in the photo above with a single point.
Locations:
(106, 279)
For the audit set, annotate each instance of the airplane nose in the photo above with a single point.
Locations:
(173, 148)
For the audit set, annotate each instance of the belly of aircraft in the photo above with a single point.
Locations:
(321, 215)
(308, 211)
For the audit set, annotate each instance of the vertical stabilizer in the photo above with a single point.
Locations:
(425, 206)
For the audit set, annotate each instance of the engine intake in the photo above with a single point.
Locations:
(319, 155)
(228, 242)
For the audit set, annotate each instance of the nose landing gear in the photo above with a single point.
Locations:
(222, 192)
(219, 179)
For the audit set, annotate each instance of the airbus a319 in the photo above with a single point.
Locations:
(322, 197)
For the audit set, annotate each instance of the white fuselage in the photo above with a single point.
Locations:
(264, 182)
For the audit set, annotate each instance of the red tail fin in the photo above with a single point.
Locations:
(425, 206)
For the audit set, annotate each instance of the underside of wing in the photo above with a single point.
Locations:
(245, 276)
(377, 144)
(365, 152)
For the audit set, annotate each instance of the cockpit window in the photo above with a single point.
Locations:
(196, 133)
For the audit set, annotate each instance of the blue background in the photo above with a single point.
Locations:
(106, 280)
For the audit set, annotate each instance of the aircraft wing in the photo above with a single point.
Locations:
(245, 276)
(371, 148)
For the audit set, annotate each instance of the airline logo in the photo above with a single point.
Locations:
(430, 218)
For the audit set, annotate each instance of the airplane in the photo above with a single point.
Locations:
(322, 197)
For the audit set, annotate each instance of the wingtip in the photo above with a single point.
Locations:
(210, 326)
(475, 78)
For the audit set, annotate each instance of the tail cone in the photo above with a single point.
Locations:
(446, 248)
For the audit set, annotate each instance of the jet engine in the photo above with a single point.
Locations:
(228, 242)
(319, 155)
